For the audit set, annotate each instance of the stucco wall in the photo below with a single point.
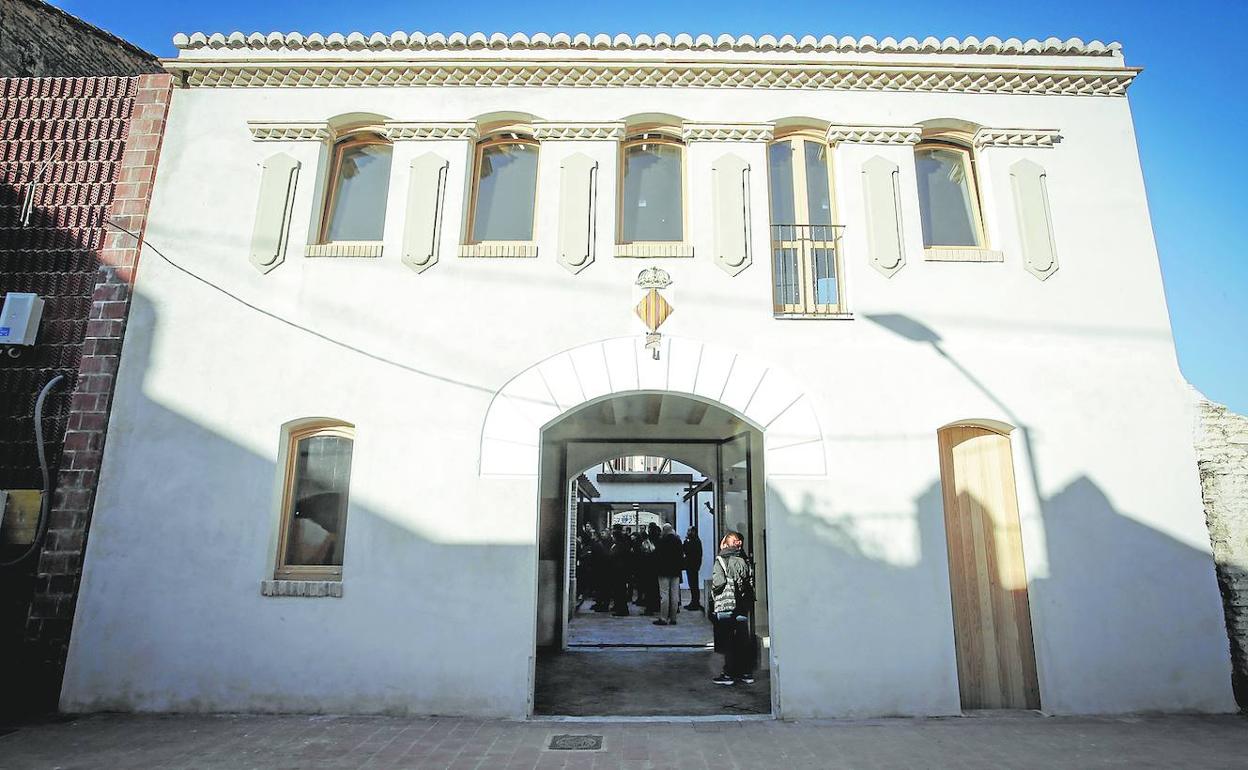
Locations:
(440, 574)
(1222, 454)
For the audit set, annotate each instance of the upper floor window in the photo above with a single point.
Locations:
(638, 464)
(505, 190)
(803, 231)
(314, 501)
(948, 195)
(652, 189)
(359, 182)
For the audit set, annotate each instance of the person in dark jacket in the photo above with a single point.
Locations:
(732, 591)
(693, 569)
(600, 558)
(669, 559)
(621, 561)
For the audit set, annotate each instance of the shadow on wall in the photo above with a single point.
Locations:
(198, 514)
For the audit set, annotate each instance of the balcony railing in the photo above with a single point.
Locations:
(806, 269)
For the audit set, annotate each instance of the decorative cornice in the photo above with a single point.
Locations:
(498, 41)
(400, 131)
(711, 74)
(1016, 137)
(875, 134)
(556, 130)
(263, 131)
(727, 132)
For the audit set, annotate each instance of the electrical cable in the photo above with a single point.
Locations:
(292, 324)
(45, 502)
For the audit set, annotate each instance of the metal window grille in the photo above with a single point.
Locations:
(806, 268)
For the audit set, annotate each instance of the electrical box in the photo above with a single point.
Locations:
(19, 319)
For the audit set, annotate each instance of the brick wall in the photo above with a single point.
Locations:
(91, 145)
(39, 40)
(1222, 458)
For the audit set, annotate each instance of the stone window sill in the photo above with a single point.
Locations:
(343, 249)
(951, 254)
(312, 589)
(648, 249)
(513, 249)
(815, 316)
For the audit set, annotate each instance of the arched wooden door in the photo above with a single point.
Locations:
(987, 577)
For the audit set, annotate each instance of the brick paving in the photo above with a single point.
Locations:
(239, 742)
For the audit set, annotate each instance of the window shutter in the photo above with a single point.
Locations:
(277, 200)
(578, 201)
(1035, 223)
(426, 191)
(730, 197)
(883, 204)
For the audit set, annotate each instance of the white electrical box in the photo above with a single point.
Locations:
(19, 319)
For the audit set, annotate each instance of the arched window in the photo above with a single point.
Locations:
(948, 194)
(359, 182)
(803, 230)
(314, 500)
(652, 196)
(505, 189)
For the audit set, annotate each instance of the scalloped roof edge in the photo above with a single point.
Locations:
(582, 41)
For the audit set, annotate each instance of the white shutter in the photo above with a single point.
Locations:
(277, 199)
(882, 197)
(730, 197)
(578, 202)
(1035, 222)
(422, 230)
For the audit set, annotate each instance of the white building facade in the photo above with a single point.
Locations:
(388, 302)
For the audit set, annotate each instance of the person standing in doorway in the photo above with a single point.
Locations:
(732, 598)
(669, 559)
(621, 561)
(693, 569)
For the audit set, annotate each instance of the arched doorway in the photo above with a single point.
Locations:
(708, 470)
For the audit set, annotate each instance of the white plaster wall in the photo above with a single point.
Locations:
(440, 568)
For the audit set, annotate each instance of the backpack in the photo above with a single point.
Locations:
(738, 591)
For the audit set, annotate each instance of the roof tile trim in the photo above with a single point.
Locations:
(417, 41)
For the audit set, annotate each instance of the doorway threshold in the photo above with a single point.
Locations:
(637, 646)
(651, 719)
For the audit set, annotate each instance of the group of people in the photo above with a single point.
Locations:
(618, 567)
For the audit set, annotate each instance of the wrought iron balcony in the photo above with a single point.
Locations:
(806, 269)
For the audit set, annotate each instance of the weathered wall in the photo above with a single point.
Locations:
(89, 145)
(40, 40)
(1222, 456)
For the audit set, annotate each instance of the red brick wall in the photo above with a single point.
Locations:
(103, 137)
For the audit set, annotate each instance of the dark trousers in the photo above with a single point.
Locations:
(620, 595)
(739, 654)
(695, 590)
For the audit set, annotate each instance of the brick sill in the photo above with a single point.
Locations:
(312, 589)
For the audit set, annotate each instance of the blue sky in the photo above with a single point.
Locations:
(1188, 105)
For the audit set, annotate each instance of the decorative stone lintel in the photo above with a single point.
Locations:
(648, 249)
(874, 134)
(948, 254)
(312, 589)
(727, 132)
(545, 130)
(343, 249)
(303, 131)
(1016, 137)
(400, 131)
(512, 249)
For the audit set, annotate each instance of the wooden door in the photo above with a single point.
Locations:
(987, 577)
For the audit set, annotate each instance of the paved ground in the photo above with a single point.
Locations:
(642, 682)
(587, 628)
(322, 743)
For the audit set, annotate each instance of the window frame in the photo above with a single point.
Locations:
(353, 138)
(970, 167)
(652, 136)
(494, 139)
(801, 208)
(292, 436)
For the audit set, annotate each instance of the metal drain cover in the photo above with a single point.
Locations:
(576, 743)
